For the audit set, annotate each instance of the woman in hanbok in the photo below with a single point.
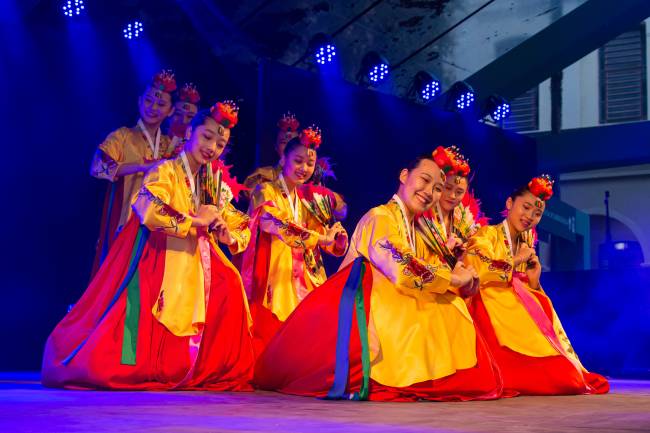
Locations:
(281, 265)
(126, 154)
(517, 319)
(392, 324)
(455, 218)
(166, 310)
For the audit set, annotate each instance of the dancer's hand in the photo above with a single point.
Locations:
(206, 215)
(341, 237)
(220, 228)
(330, 236)
(524, 254)
(534, 271)
(462, 275)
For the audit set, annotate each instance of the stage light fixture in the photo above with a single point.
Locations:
(374, 68)
(460, 97)
(497, 108)
(72, 8)
(425, 87)
(133, 30)
(322, 49)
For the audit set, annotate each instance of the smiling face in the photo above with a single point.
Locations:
(453, 192)
(421, 187)
(154, 106)
(207, 141)
(525, 211)
(298, 164)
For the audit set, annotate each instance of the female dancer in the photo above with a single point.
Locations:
(166, 310)
(280, 267)
(512, 311)
(125, 156)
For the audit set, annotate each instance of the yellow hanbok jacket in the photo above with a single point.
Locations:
(294, 266)
(165, 204)
(419, 328)
(125, 146)
(489, 253)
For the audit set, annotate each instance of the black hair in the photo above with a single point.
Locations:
(523, 189)
(416, 162)
(199, 118)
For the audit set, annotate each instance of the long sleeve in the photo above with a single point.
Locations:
(152, 204)
(314, 225)
(380, 241)
(109, 156)
(277, 222)
(483, 256)
(238, 225)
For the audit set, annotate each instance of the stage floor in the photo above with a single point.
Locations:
(25, 406)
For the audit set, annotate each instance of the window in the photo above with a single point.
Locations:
(622, 78)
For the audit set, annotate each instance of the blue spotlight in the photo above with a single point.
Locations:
(460, 97)
(374, 68)
(72, 8)
(497, 108)
(425, 87)
(133, 30)
(325, 54)
(322, 49)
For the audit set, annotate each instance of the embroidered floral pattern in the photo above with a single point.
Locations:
(494, 265)
(164, 209)
(412, 267)
(104, 167)
(290, 229)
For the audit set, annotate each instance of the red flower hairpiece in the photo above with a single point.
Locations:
(288, 122)
(311, 137)
(225, 113)
(541, 187)
(190, 94)
(451, 161)
(461, 164)
(444, 159)
(165, 81)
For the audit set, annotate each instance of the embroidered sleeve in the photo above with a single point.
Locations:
(109, 156)
(481, 254)
(277, 222)
(238, 225)
(152, 204)
(381, 242)
(315, 225)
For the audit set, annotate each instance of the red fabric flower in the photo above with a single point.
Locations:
(225, 113)
(311, 137)
(190, 94)
(288, 122)
(443, 159)
(541, 187)
(165, 81)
